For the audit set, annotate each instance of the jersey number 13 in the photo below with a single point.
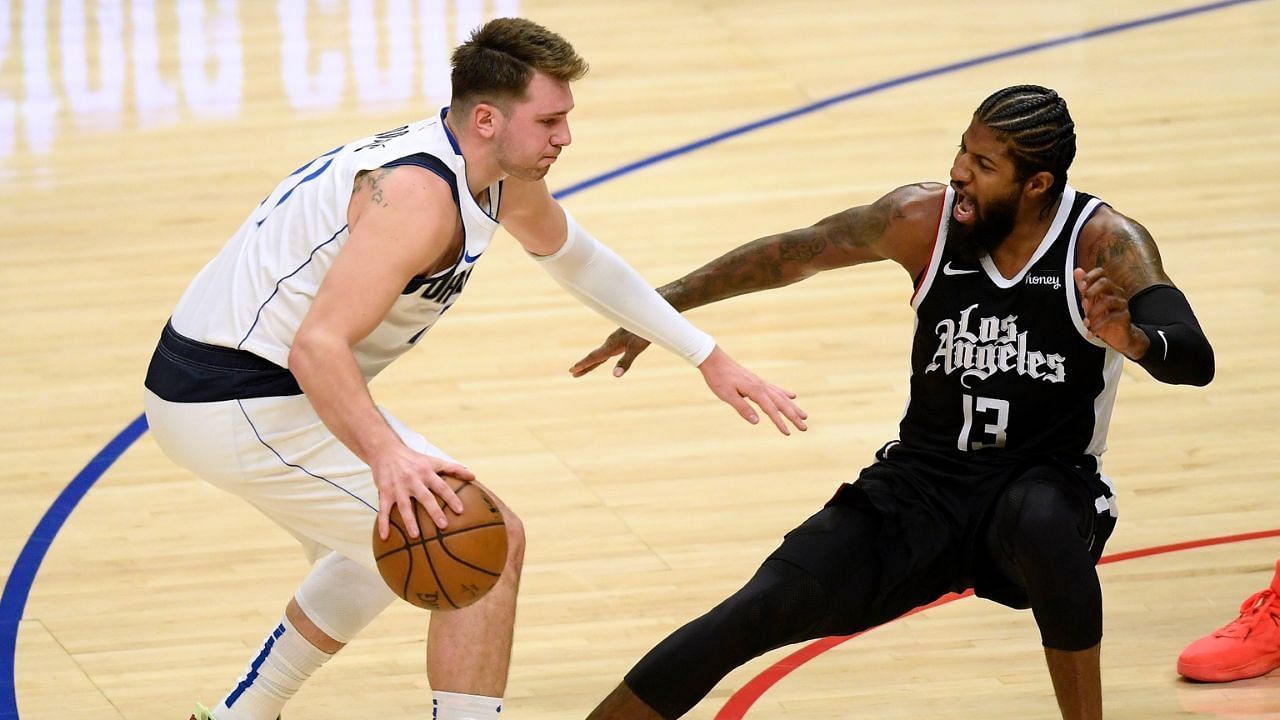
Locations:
(992, 422)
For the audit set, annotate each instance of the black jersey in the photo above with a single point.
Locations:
(1003, 367)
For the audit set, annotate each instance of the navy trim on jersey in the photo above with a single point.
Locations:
(183, 370)
(310, 176)
(432, 163)
(436, 165)
(417, 281)
(448, 133)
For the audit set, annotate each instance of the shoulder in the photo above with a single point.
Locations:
(914, 213)
(906, 210)
(1110, 234)
(532, 216)
(918, 200)
(411, 198)
(403, 181)
(398, 189)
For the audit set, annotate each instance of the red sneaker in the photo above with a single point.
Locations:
(1246, 647)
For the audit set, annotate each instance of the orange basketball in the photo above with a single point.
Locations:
(450, 568)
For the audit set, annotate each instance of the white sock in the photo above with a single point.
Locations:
(457, 706)
(285, 661)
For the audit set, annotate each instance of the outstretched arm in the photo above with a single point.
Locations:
(1133, 306)
(603, 281)
(898, 226)
(867, 233)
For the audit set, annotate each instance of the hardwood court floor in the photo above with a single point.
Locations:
(134, 138)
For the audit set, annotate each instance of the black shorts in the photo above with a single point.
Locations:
(926, 521)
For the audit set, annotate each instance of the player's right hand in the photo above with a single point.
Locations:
(620, 341)
(734, 384)
(402, 474)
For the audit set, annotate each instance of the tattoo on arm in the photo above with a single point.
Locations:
(782, 259)
(854, 229)
(753, 266)
(372, 179)
(862, 227)
(1130, 257)
(801, 249)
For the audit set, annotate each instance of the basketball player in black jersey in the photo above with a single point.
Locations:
(1028, 296)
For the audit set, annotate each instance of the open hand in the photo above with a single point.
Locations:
(402, 475)
(620, 341)
(736, 385)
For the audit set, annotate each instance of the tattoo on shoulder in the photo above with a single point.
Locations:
(1129, 253)
(372, 179)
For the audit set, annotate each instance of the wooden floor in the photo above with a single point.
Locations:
(135, 136)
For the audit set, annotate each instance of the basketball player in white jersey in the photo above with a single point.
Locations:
(1028, 297)
(258, 383)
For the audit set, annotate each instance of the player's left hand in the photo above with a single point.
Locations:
(736, 385)
(1106, 313)
(620, 341)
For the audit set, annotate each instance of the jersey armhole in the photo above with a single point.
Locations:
(434, 165)
(925, 278)
(1074, 303)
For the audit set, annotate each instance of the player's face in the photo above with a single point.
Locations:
(536, 130)
(988, 192)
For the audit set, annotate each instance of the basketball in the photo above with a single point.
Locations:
(450, 568)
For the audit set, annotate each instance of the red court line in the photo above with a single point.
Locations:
(741, 701)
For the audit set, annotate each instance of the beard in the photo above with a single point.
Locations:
(991, 225)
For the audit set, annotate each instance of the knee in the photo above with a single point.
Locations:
(1040, 520)
(515, 538)
(339, 597)
(1046, 532)
(515, 530)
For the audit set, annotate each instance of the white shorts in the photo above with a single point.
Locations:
(277, 454)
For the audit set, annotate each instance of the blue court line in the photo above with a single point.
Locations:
(23, 575)
(892, 83)
(18, 586)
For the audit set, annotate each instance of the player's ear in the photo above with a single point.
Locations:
(1036, 186)
(485, 118)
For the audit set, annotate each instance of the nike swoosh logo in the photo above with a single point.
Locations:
(468, 258)
(948, 270)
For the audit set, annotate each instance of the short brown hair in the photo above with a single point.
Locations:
(499, 60)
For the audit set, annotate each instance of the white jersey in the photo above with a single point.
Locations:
(255, 293)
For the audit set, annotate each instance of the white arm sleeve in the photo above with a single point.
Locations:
(604, 282)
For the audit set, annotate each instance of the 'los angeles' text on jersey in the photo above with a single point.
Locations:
(976, 348)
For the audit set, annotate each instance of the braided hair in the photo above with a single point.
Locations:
(1035, 123)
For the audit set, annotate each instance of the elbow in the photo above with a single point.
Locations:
(1201, 368)
(1196, 370)
(1186, 357)
(1205, 369)
(302, 354)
